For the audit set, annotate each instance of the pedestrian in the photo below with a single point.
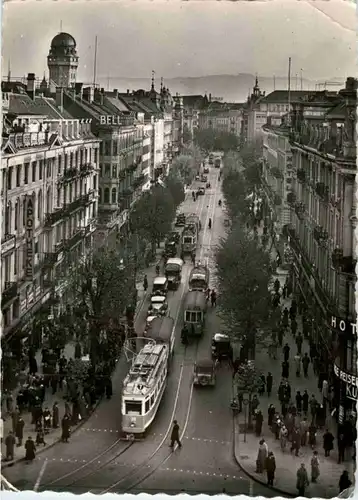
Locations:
(313, 405)
(175, 435)
(78, 350)
(15, 417)
(328, 440)
(284, 320)
(145, 283)
(55, 415)
(297, 360)
(293, 309)
(276, 286)
(33, 369)
(299, 402)
(9, 403)
(19, 431)
(285, 369)
(284, 291)
(269, 380)
(305, 399)
(258, 423)
(312, 435)
(344, 481)
(47, 420)
(305, 364)
(254, 404)
(296, 441)
(10, 442)
(208, 291)
(30, 448)
(283, 436)
(341, 443)
(299, 342)
(280, 335)
(108, 387)
(261, 456)
(65, 424)
(294, 326)
(302, 480)
(286, 352)
(271, 413)
(304, 426)
(314, 467)
(157, 269)
(213, 298)
(262, 383)
(40, 438)
(270, 468)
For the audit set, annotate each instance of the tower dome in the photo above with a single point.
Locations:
(63, 40)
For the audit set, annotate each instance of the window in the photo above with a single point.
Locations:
(106, 195)
(115, 148)
(107, 169)
(107, 148)
(8, 219)
(36, 247)
(41, 166)
(26, 175)
(48, 168)
(60, 164)
(16, 261)
(147, 406)
(18, 176)
(9, 178)
(58, 198)
(95, 182)
(39, 206)
(100, 195)
(134, 407)
(16, 309)
(114, 171)
(34, 171)
(114, 195)
(17, 213)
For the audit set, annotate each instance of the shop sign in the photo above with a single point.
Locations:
(29, 266)
(343, 325)
(350, 380)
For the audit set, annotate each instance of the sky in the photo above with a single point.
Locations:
(183, 39)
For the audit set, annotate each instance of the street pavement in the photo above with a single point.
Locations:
(287, 463)
(97, 460)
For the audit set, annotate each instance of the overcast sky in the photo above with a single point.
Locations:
(193, 38)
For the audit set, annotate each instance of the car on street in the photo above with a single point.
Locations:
(174, 236)
(158, 306)
(200, 191)
(206, 170)
(204, 178)
(221, 346)
(180, 220)
(204, 372)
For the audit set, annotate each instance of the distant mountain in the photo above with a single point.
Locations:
(233, 88)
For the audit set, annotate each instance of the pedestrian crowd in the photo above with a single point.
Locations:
(80, 386)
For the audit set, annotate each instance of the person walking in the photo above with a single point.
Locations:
(341, 443)
(286, 352)
(270, 468)
(258, 423)
(297, 360)
(213, 298)
(285, 369)
(296, 441)
(299, 342)
(304, 426)
(315, 472)
(175, 435)
(294, 326)
(313, 406)
(305, 398)
(328, 440)
(299, 402)
(55, 415)
(145, 283)
(65, 424)
(344, 481)
(302, 480)
(283, 435)
(19, 432)
(261, 456)
(30, 448)
(270, 414)
(305, 364)
(10, 442)
(269, 381)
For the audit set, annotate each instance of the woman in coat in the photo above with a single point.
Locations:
(315, 472)
(302, 480)
(283, 437)
(270, 468)
(30, 450)
(261, 456)
(55, 415)
(327, 443)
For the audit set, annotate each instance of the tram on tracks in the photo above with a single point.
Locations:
(143, 388)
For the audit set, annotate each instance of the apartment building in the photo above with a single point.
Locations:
(223, 117)
(49, 191)
(321, 196)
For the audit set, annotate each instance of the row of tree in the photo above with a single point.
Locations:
(210, 139)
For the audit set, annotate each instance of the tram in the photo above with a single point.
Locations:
(143, 388)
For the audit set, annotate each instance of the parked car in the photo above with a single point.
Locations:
(206, 170)
(200, 191)
(158, 306)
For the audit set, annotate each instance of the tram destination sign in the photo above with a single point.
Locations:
(343, 325)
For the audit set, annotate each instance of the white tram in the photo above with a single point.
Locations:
(143, 388)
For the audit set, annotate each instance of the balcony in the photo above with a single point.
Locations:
(321, 190)
(138, 181)
(69, 175)
(300, 210)
(291, 198)
(23, 140)
(54, 217)
(73, 240)
(9, 292)
(8, 243)
(343, 264)
(277, 200)
(301, 175)
(86, 169)
(320, 235)
(138, 159)
(51, 258)
(88, 198)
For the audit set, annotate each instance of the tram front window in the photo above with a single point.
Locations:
(133, 407)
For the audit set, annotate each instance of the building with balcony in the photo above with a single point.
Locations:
(49, 190)
(321, 196)
(224, 117)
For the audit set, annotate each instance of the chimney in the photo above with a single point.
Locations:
(127, 91)
(87, 94)
(30, 87)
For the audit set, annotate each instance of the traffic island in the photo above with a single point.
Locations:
(246, 449)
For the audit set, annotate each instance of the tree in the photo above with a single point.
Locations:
(187, 135)
(234, 191)
(204, 138)
(176, 188)
(153, 214)
(210, 139)
(103, 287)
(244, 273)
(251, 156)
(184, 167)
(247, 381)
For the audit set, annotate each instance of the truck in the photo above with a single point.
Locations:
(190, 234)
(217, 163)
(199, 278)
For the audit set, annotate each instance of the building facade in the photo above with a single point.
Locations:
(222, 117)
(320, 234)
(62, 60)
(49, 206)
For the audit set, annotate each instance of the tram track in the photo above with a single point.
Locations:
(109, 462)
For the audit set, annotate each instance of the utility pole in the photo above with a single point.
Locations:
(301, 79)
(95, 63)
(274, 82)
(289, 88)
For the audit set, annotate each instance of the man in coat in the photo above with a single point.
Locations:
(302, 480)
(65, 424)
(19, 432)
(296, 441)
(55, 415)
(327, 442)
(30, 449)
(270, 468)
(10, 445)
(175, 435)
(269, 380)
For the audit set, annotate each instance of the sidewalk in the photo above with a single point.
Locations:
(287, 463)
(55, 434)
